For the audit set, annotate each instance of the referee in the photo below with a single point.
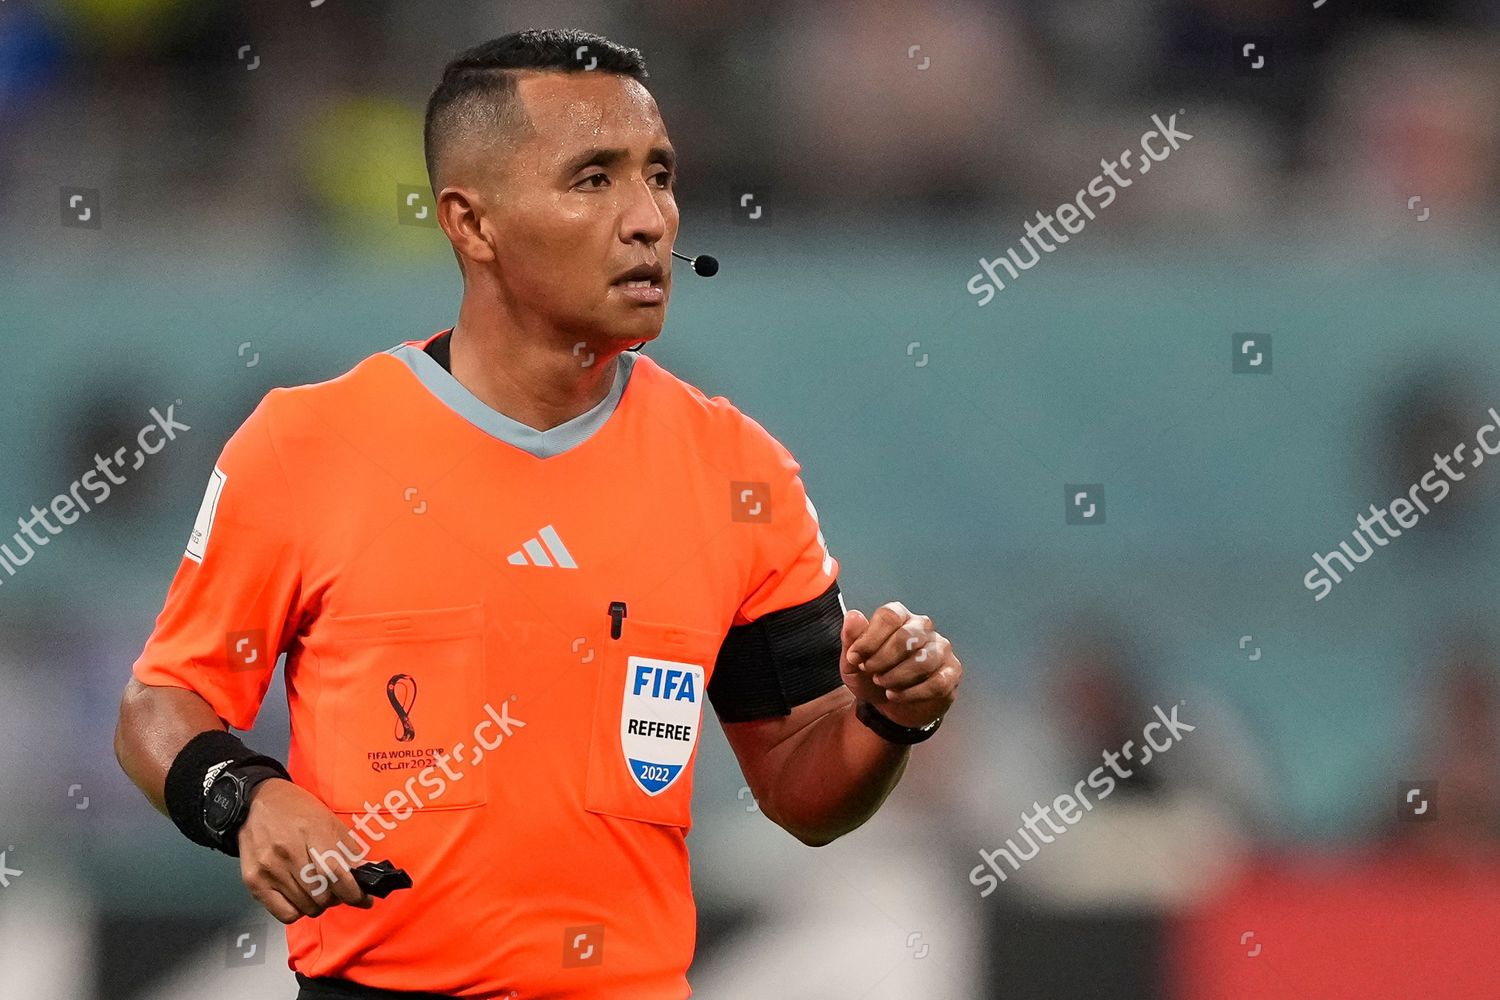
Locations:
(507, 564)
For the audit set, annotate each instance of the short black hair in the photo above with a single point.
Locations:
(478, 90)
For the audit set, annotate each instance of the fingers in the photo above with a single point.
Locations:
(883, 623)
(903, 641)
(283, 878)
(917, 663)
(290, 889)
(296, 856)
(274, 902)
(329, 876)
(940, 685)
(346, 888)
(898, 659)
(270, 880)
(855, 624)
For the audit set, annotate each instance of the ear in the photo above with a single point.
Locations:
(459, 215)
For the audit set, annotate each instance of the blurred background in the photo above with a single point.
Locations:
(1086, 481)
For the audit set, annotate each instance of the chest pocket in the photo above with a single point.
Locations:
(395, 689)
(653, 681)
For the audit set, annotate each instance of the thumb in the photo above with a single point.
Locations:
(855, 624)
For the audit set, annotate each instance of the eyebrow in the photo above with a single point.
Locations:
(608, 157)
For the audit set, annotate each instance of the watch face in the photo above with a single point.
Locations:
(223, 802)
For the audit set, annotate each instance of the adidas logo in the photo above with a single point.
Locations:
(535, 551)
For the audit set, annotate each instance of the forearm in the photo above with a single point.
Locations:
(834, 778)
(155, 724)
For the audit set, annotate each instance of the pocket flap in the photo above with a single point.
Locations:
(396, 626)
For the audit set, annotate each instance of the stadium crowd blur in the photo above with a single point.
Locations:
(245, 157)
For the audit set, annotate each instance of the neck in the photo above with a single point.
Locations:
(534, 380)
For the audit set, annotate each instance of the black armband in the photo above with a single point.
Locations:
(769, 666)
(200, 761)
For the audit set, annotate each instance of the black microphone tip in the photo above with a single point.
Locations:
(703, 264)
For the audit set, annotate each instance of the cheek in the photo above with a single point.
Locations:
(575, 237)
(546, 253)
(540, 277)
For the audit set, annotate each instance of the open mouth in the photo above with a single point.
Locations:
(641, 275)
(643, 292)
(643, 284)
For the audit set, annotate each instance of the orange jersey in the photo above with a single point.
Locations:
(498, 645)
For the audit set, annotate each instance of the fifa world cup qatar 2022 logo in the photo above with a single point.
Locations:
(401, 690)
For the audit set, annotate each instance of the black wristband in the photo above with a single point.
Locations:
(185, 778)
(893, 732)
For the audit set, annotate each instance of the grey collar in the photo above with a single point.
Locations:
(543, 444)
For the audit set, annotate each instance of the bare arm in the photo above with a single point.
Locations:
(155, 724)
(819, 772)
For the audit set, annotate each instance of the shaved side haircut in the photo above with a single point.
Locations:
(475, 105)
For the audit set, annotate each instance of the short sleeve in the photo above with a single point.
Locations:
(233, 606)
(790, 561)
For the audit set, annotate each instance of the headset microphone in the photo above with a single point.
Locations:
(703, 264)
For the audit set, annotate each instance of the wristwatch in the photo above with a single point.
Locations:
(893, 732)
(226, 798)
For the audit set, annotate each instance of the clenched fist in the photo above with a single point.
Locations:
(898, 663)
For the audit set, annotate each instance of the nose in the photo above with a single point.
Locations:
(641, 216)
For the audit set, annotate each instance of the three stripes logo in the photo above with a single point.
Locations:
(545, 548)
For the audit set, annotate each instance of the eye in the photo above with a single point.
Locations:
(594, 177)
(666, 178)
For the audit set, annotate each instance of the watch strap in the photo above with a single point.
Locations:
(248, 773)
(254, 774)
(893, 732)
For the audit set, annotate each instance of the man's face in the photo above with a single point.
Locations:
(585, 196)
